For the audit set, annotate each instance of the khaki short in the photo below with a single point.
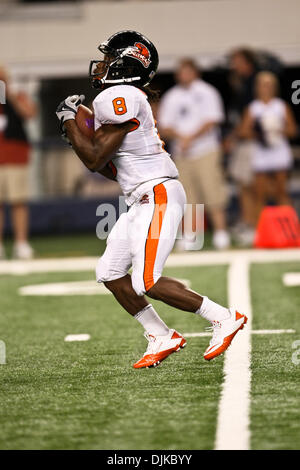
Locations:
(203, 180)
(240, 164)
(14, 183)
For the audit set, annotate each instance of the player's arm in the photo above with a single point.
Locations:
(96, 153)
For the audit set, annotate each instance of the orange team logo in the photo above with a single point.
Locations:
(144, 199)
(141, 53)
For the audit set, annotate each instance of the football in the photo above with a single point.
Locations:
(85, 121)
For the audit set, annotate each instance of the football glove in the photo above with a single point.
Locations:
(68, 108)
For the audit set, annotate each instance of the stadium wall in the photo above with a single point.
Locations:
(58, 40)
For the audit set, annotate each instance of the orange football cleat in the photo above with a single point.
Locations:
(223, 333)
(159, 348)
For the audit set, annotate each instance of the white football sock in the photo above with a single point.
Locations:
(212, 311)
(151, 322)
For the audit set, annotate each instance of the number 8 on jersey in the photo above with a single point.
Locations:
(119, 106)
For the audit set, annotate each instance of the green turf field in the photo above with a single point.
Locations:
(86, 395)
(275, 407)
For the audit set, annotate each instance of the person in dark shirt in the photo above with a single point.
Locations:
(14, 160)
(243, 70)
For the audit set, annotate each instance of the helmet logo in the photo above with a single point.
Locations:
(141, 53)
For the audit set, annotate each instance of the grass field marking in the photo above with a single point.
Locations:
(201, 258)
(2, 352)
(80, 337)
(272, 332)
(253, 332)
(233, 418)
(21, 268)
(291, 279)
(196, 335)
(65, 288)
(72, 288)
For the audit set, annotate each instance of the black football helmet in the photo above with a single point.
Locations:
(128, 57)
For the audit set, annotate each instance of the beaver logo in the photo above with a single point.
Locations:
(141, 53)
(144, 199)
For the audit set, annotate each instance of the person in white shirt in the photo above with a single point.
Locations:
(268, 122)
(189, 117)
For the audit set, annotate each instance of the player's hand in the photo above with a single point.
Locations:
(68, 108)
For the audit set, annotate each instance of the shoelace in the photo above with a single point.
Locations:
(214, 329)
(151, 346)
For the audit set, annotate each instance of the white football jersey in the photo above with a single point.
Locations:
(141, 156)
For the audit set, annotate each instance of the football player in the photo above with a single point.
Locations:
(127, 147)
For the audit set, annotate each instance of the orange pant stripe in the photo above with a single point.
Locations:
(160, 201)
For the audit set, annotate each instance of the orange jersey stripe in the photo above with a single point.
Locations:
(160, 201)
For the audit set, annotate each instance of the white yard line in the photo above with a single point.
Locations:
(233, 417)
(196, 335)
(253, 332)
(272, 332)
(80, 337)
(65, 288)
(291, 279)
(72, 288)
(17, 267)
(196, 258)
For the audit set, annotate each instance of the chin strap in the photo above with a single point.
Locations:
(121, 80)
(98, 82)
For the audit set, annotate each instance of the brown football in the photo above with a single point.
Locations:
(85, 121)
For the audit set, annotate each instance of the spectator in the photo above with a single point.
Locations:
(14, 157)
(243, 65)
(243, 68)
(269, 122)
(189, 118)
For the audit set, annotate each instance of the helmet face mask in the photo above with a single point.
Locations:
(128, 57)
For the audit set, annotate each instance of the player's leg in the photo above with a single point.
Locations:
(136, 305)
(148, 280)
(146, 220)
(112, 270)
(123, 292)
(225, 322)
(148, 263)
(175, 293)
(162, 341)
